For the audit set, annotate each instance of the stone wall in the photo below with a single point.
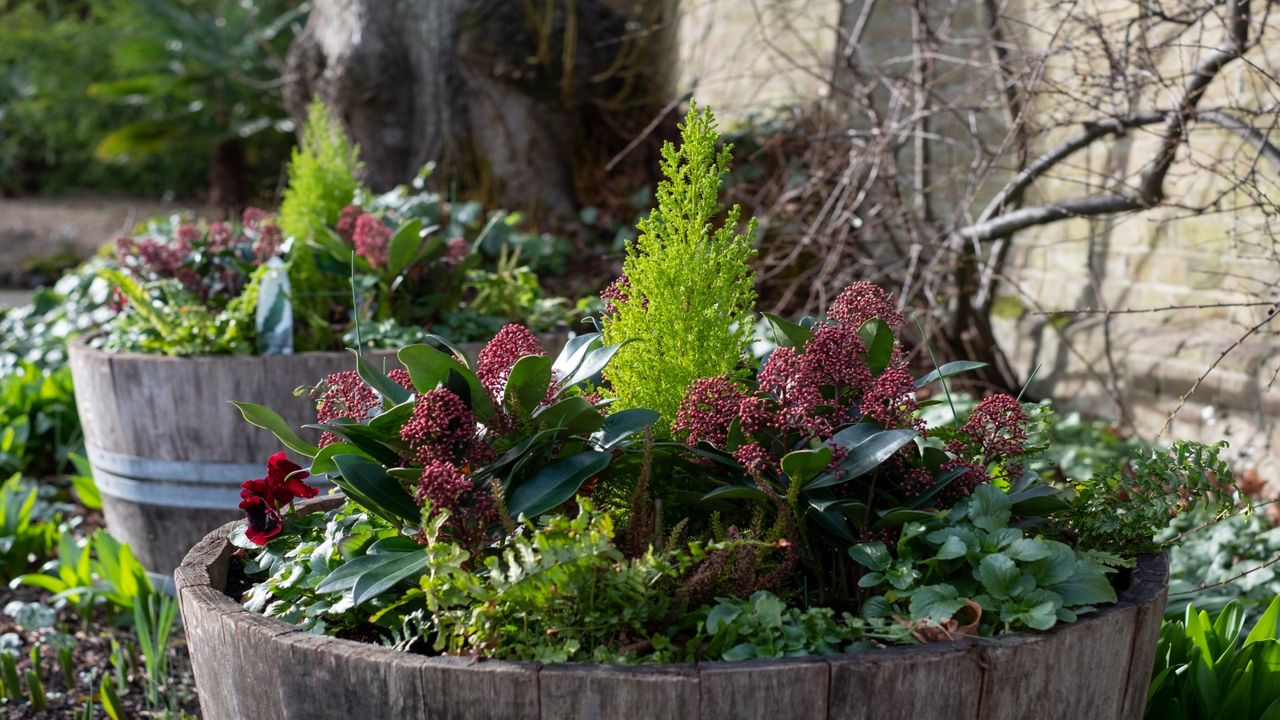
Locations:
(1130, 367)
(1136, 367)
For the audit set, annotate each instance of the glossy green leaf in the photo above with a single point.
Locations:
(623, 424)
(737, 492)
(801, 465)
(402, 248)
(1268, 626)
(874, 556)
(368, 484)
(528, 382)
(787, 333)
(865, 457)
(572, 355)
(429, 368)
(877, 336)
(555, 483)
(369, 441)
(901, 516)
(323, 463)
(575, 414)
(268, 419)
(595, 360)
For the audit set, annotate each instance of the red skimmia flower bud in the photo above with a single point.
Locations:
(862, 301)
(501, 354)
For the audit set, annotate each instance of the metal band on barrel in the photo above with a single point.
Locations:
(177, 483)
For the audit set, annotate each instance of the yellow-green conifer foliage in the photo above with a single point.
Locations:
(689, 307)
(322, 181)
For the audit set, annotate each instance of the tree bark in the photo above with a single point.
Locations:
(505, 96)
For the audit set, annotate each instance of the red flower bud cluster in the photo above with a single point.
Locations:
(370, 239)
(862, 301)
(708, 407)
(890, 400)
(617, 292)
(494, 364)
(347, 219)
(443, 429)
(995, 430)
(456, 250)
(208, 263)
(472, 511)
(343, 395)
(263, 499)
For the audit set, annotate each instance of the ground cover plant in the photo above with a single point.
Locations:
(534, 508)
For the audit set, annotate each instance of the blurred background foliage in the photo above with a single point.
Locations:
(160, 98)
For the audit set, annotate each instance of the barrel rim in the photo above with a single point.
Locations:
(202, 576)
(80, 346)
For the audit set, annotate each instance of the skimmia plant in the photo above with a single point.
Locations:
(530, 508)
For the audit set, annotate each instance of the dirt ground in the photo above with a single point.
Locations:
(41, 235)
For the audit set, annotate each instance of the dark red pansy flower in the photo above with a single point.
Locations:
(262, 498)
(264, 519)
(285, 477)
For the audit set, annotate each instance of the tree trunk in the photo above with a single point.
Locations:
(508, 98)
(228, 176)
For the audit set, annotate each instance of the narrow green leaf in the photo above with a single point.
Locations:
(391, 391)
(737, 492)
(268, 419)
(949, 369)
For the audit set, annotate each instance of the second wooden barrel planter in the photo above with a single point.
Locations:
(249, 666)
(169, 451)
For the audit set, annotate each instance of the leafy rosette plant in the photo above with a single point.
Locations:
(438, 450)
(404, 271)
(191, 288)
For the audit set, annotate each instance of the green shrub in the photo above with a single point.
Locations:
(689, 294)
(322, 181)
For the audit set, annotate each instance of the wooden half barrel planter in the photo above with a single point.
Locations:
(247, 665)
(169, 451)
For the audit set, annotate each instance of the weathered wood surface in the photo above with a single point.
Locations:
(178, 450)
(250, 666)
